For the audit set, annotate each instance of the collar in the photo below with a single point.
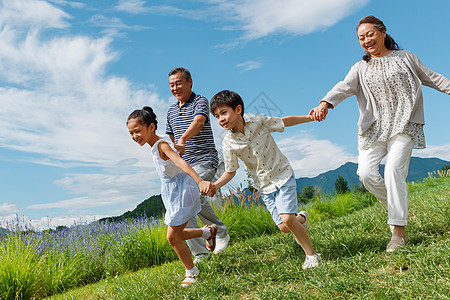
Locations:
(244, 127)
(191, 98)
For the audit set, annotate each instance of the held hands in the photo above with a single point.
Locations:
(207, 188)
(311, 117)
(320, 112)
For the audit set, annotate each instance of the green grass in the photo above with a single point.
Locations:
(356, 266)
(20, 264)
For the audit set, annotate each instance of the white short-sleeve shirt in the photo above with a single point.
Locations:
(264, 161)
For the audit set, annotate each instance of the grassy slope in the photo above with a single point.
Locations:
(356, 265)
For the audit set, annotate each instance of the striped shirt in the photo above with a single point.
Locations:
(200, 149)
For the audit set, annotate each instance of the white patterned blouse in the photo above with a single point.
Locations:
(392, 85)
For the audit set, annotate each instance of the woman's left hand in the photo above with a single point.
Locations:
(320, 112)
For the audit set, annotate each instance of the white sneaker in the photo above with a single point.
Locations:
(306, 215)
(312, 261)
(221, 244)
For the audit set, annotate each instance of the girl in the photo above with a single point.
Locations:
(179, 190)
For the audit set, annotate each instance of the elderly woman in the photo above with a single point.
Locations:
(387, 84)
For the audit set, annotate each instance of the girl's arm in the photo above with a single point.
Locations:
(224, 179)
(205, 187)
(295, 120)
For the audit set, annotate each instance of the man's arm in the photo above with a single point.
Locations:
(193, 129)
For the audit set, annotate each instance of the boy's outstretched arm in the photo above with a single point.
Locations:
(295, 120)
(224, 179)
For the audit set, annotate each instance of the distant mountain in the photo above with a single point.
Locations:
(151, 207)
(2, 230)
(418, 169)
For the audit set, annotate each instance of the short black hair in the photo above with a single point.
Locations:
(185, 72)
(145, 116)
(228, 98)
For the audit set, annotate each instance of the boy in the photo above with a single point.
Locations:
(250, 139)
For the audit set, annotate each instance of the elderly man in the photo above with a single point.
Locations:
(189, 127)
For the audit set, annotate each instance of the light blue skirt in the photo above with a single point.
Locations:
(181, 198)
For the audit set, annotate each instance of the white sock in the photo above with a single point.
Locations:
(206, 232)
(313, 255)
(192, 272)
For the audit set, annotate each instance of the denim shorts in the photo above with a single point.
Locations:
(282, 201)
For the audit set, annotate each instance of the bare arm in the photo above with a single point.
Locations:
(224, 179)
(204, 186)
(295, 120)
(179, 148)
(193, 129)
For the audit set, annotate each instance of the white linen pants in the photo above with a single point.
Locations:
(393, 189)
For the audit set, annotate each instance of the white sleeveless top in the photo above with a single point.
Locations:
(179, 192)
(165, 168)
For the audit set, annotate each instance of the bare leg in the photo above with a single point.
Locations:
(299, 232)
(301, 219)
(399, 231)
(176, 235)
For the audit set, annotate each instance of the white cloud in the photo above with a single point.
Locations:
(310, 157)
(114, 23)
(43, 223)
(69, 3)
(71, 220)
(32, 13)
(249, 65)
(119, 188)
(131, 6)
(256, 18)
(8, 209)
(60, 106)
(442, 152)
(260, 18)
(57, 101)
(83, 202)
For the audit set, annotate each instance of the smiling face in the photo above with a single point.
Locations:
(180, 87)
(140, 133)
(229, 118)
(372, 40)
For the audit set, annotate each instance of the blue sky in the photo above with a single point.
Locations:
(72, 71)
